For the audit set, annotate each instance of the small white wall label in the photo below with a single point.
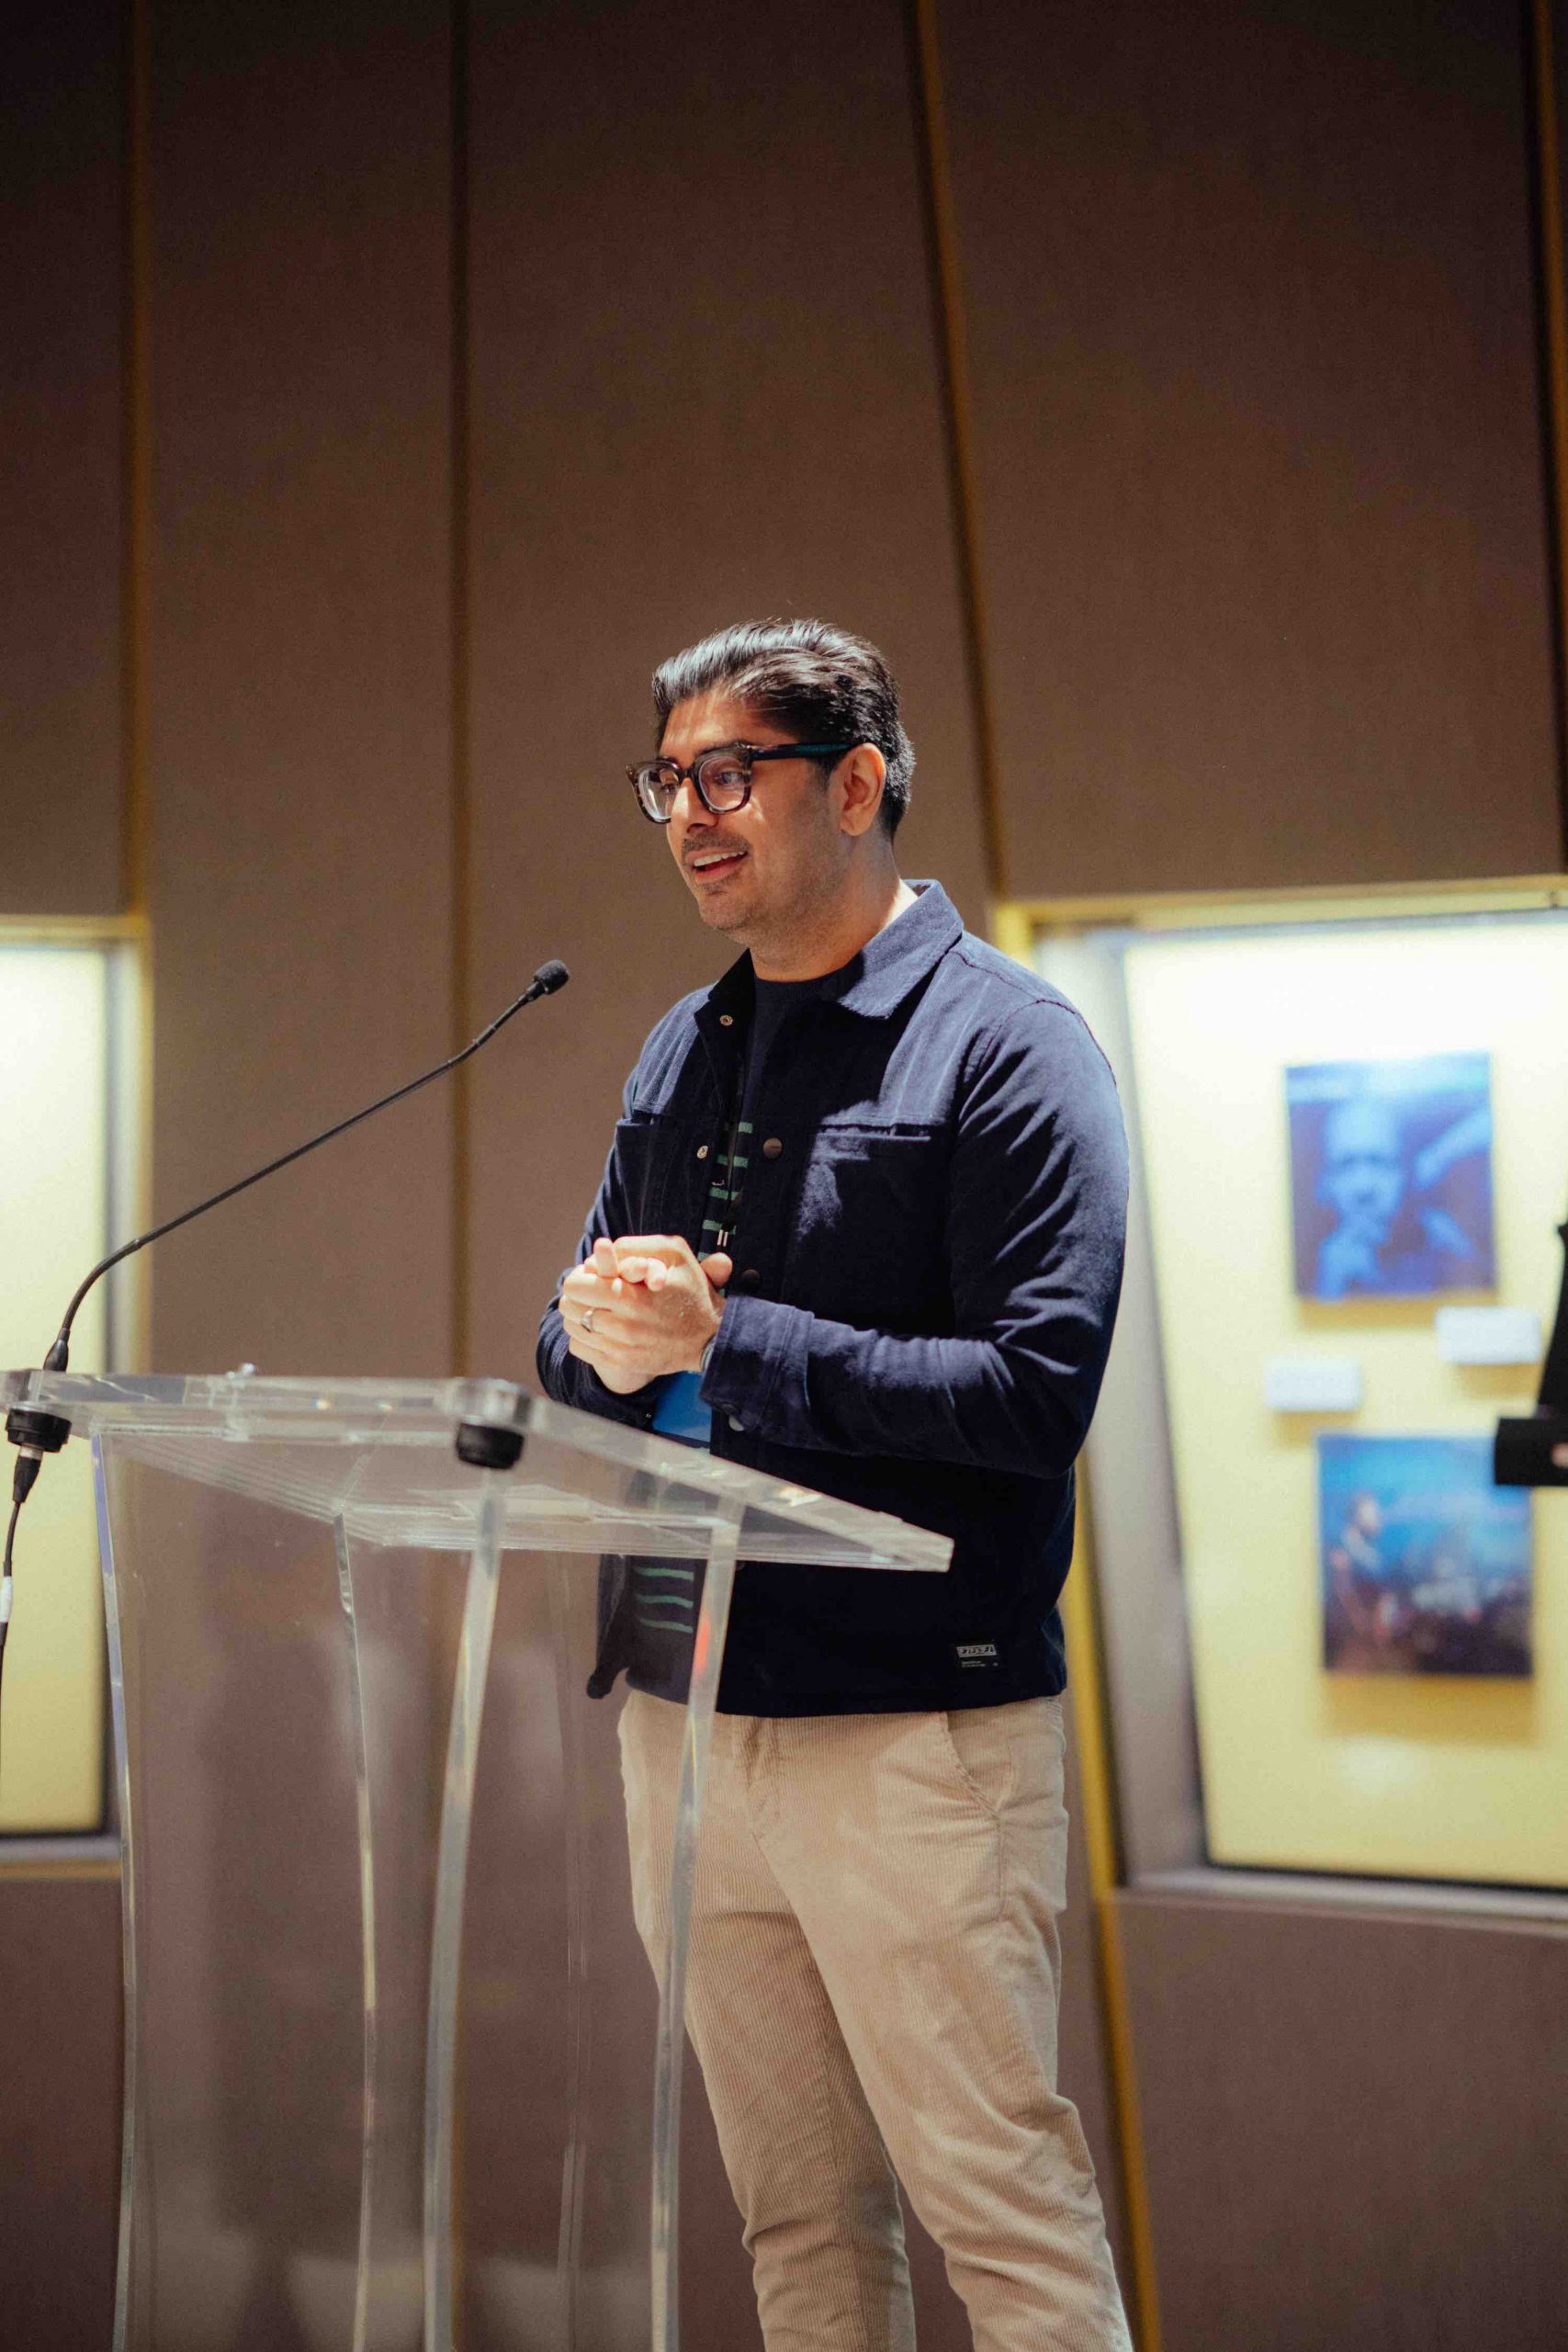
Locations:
(1313, 1384)
(1489, 1335)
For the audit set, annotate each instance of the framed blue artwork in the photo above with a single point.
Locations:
(1391, 1176)
(1426, 1565)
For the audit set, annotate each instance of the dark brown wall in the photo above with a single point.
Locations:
(1355, 2127)
(61, 206)
(60, 2067)
(1252, 339)
(299, 679)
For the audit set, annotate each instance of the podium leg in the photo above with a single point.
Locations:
(451, 1871)
(578, 2023)
(368, 1944)
(708, 1655)
(127, 2334)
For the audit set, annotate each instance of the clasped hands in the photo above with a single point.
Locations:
(638, 1309)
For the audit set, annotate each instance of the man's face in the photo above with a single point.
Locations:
(761, 872)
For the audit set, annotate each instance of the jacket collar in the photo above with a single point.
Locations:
(875, 982)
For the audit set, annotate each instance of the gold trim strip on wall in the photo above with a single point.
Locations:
(1091, 1718)
(942, 230)
(17, 1865)
(72, 931)
(1022, 920)
(460, 836)
(135, 525)
(1012, 930)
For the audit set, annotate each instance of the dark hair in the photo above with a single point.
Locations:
(817, 681)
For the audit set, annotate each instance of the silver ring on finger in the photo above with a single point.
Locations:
(587, 1320)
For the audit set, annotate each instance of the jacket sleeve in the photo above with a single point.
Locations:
(563, 1376)
(1034, 1230)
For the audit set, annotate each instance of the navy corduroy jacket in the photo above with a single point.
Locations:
(927, 1259)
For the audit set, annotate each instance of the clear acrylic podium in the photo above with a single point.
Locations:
(397, 2077)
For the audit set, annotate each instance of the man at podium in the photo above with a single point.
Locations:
(861, 1228)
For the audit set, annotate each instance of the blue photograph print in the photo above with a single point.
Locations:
(1391, 1176)
(1426, 1563)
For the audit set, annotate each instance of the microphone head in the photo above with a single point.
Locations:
(551, 977)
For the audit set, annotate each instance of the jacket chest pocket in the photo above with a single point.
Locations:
(665, 1166)
(873, 1212)
(646, 1155)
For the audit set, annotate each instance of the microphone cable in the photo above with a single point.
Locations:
(23, 1480)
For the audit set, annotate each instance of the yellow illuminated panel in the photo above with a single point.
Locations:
(53, 1181)
(1419, 1775)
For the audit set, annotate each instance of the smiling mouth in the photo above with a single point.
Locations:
(711, 863)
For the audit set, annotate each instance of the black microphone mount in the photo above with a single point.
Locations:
(1532, 1450)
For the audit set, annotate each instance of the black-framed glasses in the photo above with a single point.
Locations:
(722, 776)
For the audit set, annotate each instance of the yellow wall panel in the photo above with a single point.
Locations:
(1428, 1776)
(54, 1119)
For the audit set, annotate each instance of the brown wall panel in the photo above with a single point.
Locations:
(1355, 2127)
(704, 388)
(299, 679)
(60, 2067)
(1254, 353)
(61, 455)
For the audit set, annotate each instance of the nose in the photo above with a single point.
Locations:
(687, 810)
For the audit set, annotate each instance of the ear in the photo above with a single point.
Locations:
(858, 783)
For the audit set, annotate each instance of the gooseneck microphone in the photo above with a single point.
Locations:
(36, 1434)
(545, 982)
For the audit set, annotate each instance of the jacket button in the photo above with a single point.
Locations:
(772, 1149)
(736, 1422)
(749, 1279)
(726, 1019)
(702, 1151)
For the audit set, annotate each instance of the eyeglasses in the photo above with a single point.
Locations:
(722, 776)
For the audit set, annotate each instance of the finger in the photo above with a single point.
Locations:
(657, 1274)
(591, 1309)
(610, 1273)
(627, 1260)
(670, 1248)
(718, 1267)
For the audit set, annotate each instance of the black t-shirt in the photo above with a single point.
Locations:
(776, 999)
(665, 1592)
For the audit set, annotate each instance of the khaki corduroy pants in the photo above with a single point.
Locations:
(874, 1982)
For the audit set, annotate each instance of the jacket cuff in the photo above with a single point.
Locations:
(758, 1365)
(572, 1383)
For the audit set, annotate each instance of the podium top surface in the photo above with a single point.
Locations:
(380, 1456)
